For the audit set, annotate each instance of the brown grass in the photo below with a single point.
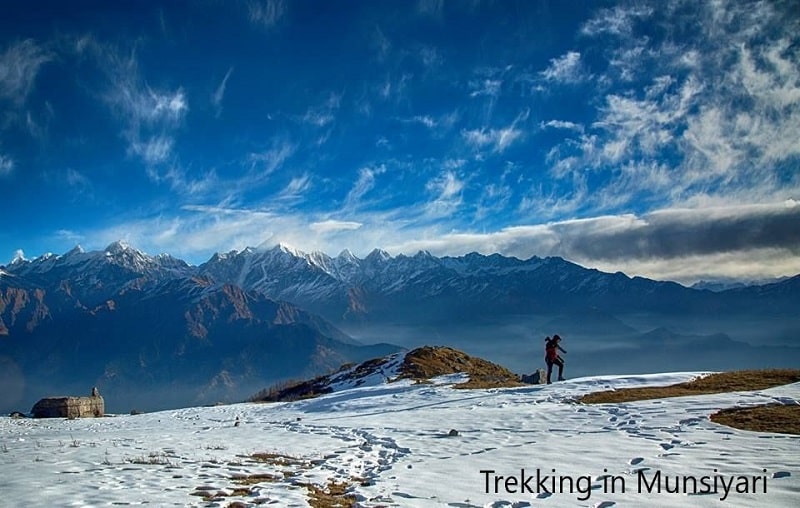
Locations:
(737, 381)
(429, 362)
(779, 418)
(278, 459)
(333, 495)
(767, 418)
(256, 478)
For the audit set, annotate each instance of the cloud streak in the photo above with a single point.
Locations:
(219, 93)
(19, 66)
(266, 13)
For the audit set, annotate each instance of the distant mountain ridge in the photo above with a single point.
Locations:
(152, 332)
(279, 312)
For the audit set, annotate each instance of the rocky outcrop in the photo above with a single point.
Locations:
(70, 407)
(537, 378)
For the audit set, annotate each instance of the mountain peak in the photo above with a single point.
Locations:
(19, 257)
(75, 250)
(285, 248)
(346, 255)
(117, 247)
(378, 255)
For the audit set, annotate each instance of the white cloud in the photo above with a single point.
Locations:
(333, 226)
(364, 184)
(617, 21)
(430, 8)
(324, 114)
(266, 13)
(562, 124)
(446, 190)
(712, 116)
(77, 180)
(268, 161)
(565, 69)
(19, 66)
(166, 106)
(295, 188)
(6, 165)
(496, 139)
(486, 87)
(155, 150)
(219, 93)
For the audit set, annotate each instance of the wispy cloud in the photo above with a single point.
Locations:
(364, 184)
(19, 66)
(498, 140)
(562, 124)
(77, 181)
(296, 188)
(6, 165)
(154, 150)
(266, 13)
(446, 190)
(565, 69)
(150, 116)
(268, 161)
(485, 87)
(618, 20)
(325, 113)
(219, 93)
(718, 121)
(430, 8)
(333, 226)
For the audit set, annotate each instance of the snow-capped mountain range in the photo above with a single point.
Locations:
(139, 314)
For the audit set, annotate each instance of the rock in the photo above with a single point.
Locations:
(452, 433)
(70, 407)
(537, 378)
(16, 415)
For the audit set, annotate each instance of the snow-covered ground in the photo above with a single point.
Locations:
(394, 439)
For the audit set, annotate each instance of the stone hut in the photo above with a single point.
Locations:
(70, 407)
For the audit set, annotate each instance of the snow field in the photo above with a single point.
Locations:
(391, 443)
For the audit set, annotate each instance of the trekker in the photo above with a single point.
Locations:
(551, 357)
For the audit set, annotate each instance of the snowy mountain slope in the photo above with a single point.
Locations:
(390, 444)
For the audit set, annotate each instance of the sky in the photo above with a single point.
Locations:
(655, 138)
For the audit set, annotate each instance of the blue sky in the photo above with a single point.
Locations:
(660, 139)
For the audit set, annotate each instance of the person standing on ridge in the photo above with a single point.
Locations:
(551, 357)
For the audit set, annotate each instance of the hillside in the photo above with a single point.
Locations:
(421, 365)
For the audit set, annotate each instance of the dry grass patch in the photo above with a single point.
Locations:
(767, 418)
(428, 362)
(256, 478)
(333, 495)
(723, 382)
(278, 459)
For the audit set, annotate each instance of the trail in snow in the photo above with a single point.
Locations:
(392, 443)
